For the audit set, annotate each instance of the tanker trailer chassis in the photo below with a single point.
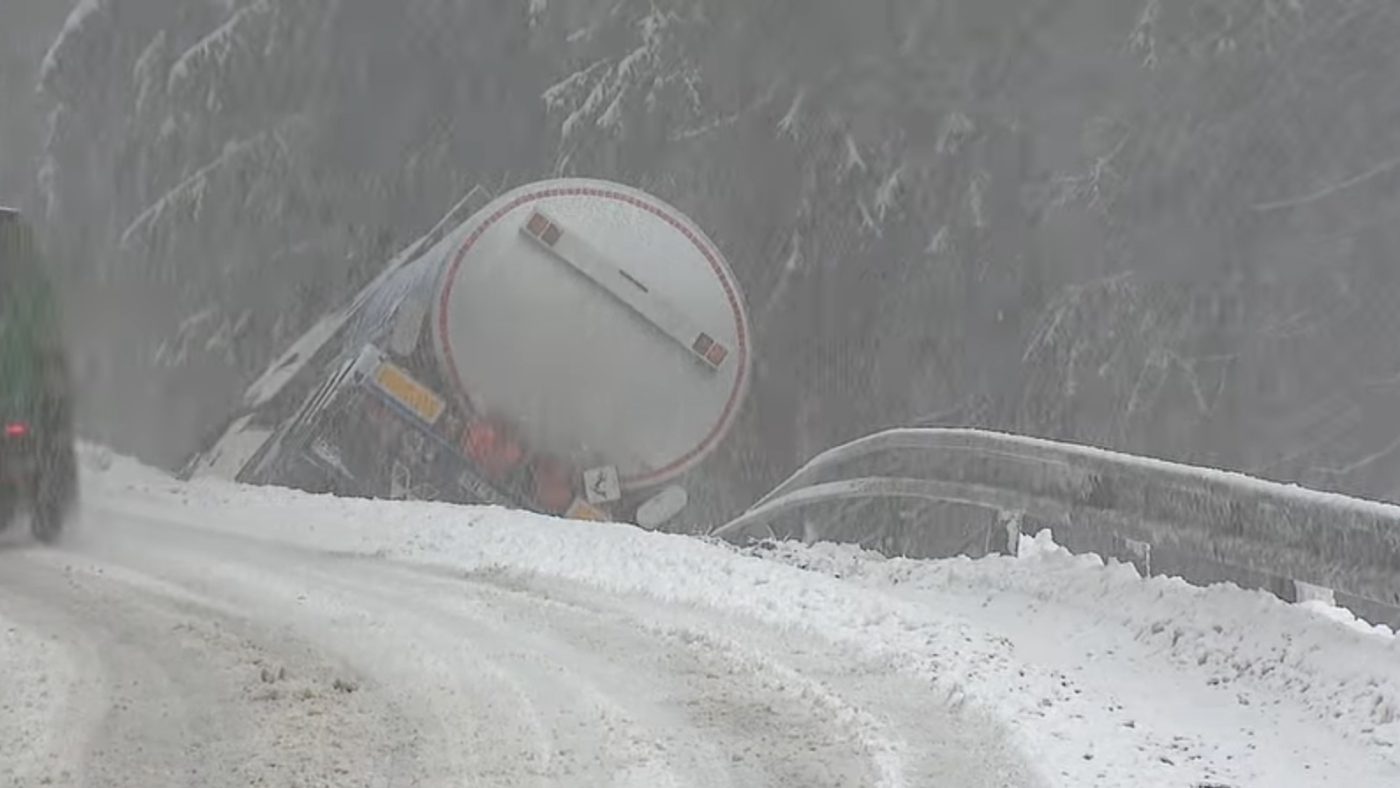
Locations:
(378, 430)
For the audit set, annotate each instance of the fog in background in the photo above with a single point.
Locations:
(1163, 226)
(27, 27)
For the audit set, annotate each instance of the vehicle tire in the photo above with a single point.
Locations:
(54, 496)
(47, 521)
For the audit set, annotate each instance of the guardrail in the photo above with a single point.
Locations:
(1202, 525)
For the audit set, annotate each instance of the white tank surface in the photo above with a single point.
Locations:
(600, 322)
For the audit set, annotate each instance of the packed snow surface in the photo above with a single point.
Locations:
(206, 633)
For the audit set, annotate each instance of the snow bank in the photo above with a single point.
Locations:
(36, 670)
(1346, 678)
(1345, 672)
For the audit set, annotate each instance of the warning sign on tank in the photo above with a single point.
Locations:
(408, 392)
(601, 485)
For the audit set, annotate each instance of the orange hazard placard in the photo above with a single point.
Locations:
(410, 393)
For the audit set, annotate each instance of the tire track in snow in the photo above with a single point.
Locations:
(41, 674)
(616, 660)
(514, 680)
(714, 652)
(171, 692)
(510, 643)
(471, 720)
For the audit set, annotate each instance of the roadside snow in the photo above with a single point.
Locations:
(1105, 679)
(37, 678)
(27, 704)
(1227, 650)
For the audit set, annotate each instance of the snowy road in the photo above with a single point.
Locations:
(205, 634)
(163, 654)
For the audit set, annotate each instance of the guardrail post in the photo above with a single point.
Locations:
(1004, 536)
(1307, 592)
(1139, 555)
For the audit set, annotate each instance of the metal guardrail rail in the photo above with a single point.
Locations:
(1202, 525)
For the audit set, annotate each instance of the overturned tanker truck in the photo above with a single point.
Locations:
(573, 347)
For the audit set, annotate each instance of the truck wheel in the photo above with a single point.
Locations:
(53, 498)
(47, 521)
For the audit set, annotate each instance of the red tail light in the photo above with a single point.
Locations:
(492, 449)
(16, 429)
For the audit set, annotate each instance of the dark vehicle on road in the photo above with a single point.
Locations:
(38, 467)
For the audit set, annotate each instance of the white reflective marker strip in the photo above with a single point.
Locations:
(627, 288)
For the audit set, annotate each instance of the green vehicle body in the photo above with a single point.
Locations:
(34, 386)
(33, 375)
